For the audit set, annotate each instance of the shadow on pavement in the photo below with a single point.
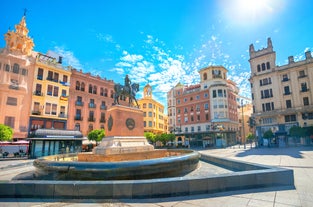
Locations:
(295, 152)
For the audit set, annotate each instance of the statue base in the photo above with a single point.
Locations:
(122, 145)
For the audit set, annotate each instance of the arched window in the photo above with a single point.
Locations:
(82, 87)
(77, 85)
(263, 66)
(24, 72)
(268, 66)
(205, 76)
(106, 92)
(259, 68)
(111, 94)
(94, 90)
(90, 88)
(101, 91)
(16, 68)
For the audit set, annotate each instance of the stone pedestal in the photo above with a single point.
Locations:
(124, 133)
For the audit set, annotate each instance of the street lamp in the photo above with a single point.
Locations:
(243, 125)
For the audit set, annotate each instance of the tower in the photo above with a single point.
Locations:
(18, 42)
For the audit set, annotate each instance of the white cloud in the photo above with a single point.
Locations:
(68, 57)
(132, 58)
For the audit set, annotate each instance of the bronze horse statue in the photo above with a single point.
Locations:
(129, 92)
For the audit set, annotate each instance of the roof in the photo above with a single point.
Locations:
(58, 133)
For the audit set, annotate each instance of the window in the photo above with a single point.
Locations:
(205, 76)
(206, 106)
(185, 99)
(102, 117)
(286, 90)
(267, 93)
(9, 121)
(56, 77)
(186, 119)
(265, 81)
(268, 106)
(16, 68)
(301, 74)
(290, 118)
(7, 67)
(268, 66)
(62, 111)
(178, 111)
(288, 104)
(82, 88)
(144, 105)
(285, 77)
(191, 118)
(306, 101)
(50, 75)
(150, 114)
(150, 105)
(63, 93)
(220, 93)
(90, 88)
(304, 87)
(56, 91)
(197, 107)
(106, 92)
(197, 97)
(77, 87)
(185, 110)
(49, 90)
(150, 123)
(214, 93)
(12, 101)
(39, 74)
(206, 95)
(263, 66)
(94, 90)
(259, 68)
(48, 108)
(65, 78)
(54, 109)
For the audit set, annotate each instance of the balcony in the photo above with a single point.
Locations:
(287, 93)
(35, 112)
(38, 93)
(92, 105)
(302, 76)
(91, 119)
(78, 117)
(103, 107)
(102, 120)
(62, 115)
(52, 79)
(39, 77)
(64, 83)
(304, 90)
(64, 98)
(79, 103)
(285, 79)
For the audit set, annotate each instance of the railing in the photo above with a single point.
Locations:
(79, 103)
(36, 113)
(92, 105)
(91, 119)
(78, 118)
(38, 93)
(102, 120)
(103, 107)
(62, 115)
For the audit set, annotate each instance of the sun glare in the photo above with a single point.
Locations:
(247, 12)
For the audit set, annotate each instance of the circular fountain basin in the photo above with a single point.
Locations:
(128, 166)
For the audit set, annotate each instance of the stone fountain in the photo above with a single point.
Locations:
(123, 154)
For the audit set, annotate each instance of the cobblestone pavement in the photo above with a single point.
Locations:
(300, 159)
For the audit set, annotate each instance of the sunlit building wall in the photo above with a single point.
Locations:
(50, 93)
(16, 79)
(155, 120)
(282, 96)
(206, 114)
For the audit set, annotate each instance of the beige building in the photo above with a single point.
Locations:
(244, 114)
(16, 79)
(155, 120)
(282, 96)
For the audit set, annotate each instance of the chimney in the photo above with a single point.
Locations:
(308, 55)
(290, 59)
(60, 60)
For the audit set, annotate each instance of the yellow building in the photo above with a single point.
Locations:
(244, 114)
(155, 120)
(50, 93)
(16, 78)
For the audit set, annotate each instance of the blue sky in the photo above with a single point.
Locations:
(163, 42)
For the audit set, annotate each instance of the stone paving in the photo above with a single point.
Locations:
(300, 159)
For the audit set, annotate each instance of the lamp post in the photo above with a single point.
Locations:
(243, 125)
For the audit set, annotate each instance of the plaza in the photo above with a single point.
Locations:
(299, 159)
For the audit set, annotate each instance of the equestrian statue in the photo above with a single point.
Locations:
(128, 90)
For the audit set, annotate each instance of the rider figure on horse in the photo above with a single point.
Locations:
(127, 84)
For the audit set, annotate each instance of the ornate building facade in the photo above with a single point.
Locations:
(155, 120)
(205, 114)
(282, 96)
(16, 79)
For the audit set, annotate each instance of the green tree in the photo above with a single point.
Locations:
(171, 137)
(250, 137)
(296, 131)
(6, 133)
(96, 135)
(150, 137)
(268, 134)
